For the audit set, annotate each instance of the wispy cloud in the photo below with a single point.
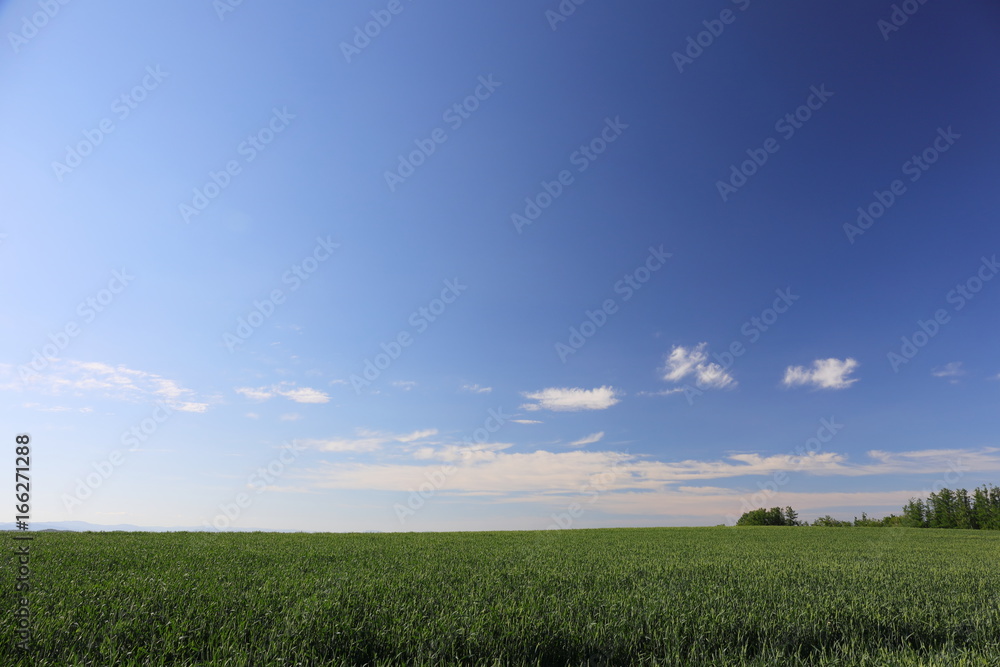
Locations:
(405, 385)
(493, 470)
(93, 378)
(476, 389)
(417, 435)
(824, 374)
(286, 389)
(664, 392)
(951, 370)
(260, 394)
(360, 444)
(304, 395)
(55, 408)
(571, 399)
(367, 441)
(525, 421)
(693, 362)
(588, 440)
(468, 454)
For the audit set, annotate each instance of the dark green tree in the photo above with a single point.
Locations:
(979, 510)
(981, 513)
(865, 522)
(942, 509)
(964, 517)
(829, 522)
(993, 509)
(753, 518)
(771, 517)
(915, 514)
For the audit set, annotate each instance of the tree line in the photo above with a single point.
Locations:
(979, 510)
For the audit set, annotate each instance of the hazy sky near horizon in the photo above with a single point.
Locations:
(407, 266)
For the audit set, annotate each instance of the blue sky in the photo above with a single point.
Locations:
(481, 268)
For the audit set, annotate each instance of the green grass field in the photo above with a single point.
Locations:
(668, 596)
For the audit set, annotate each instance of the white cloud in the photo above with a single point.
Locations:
(665, 392)
(934, 460)
(824, 374)
(417, 435)
(476, 389)
(951, 370)
(465, 453)
(683, 362)
(78, 378)
(261, 394)
(304, 395)
(588, 440)
(252, 415)
(52, 408)
(168, 388)
(300, 395)
(189, 407)
(363, 444)
(525, 421)
(405, 385)
(367, 441)
(290, 417)
(493, 471)
(713, 376)
(571, 399)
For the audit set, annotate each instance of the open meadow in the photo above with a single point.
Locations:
(663, 596)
